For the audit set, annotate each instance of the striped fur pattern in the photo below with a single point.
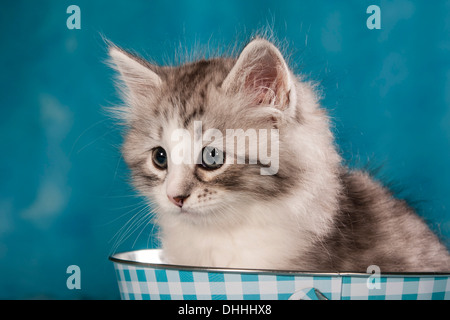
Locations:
(312, 213)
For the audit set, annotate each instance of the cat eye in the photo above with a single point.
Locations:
(212, 158)
(159, 157)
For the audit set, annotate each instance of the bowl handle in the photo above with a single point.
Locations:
(308, 294)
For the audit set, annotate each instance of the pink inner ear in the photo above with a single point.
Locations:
(267, 83)
(261, 74)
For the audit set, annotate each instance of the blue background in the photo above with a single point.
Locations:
(63, 185)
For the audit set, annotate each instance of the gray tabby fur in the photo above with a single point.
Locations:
(314, 214)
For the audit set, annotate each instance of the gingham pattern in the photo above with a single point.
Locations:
(139, 283)
(397, 288)
(161, 284)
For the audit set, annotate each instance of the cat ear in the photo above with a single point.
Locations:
(261, 73)
(137, 74)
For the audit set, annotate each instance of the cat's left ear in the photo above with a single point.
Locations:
(262, 74)
(139, 76)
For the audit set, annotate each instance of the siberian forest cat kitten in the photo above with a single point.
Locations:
(238, 160)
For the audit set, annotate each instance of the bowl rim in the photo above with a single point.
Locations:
(116, 258)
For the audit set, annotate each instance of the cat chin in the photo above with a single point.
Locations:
(236, 246)
(192, 216)
(199, 219)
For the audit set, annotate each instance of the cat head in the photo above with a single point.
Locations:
(209, 139)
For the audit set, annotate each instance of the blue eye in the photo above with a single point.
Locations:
(159, 157)
(212, 158)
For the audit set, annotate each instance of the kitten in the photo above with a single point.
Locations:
(308, 213)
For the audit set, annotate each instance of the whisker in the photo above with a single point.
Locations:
(124, 232)
(136, 207)
(84, 132)
(149, 220)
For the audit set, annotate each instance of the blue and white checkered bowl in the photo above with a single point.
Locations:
(142, 276)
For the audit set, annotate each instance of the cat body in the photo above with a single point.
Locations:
(301, 210)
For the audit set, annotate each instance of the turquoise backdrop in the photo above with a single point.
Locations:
(64, 192)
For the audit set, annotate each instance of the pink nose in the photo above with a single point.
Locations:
(178, 200)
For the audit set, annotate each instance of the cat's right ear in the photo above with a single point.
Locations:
(262, 74)
(139, 76)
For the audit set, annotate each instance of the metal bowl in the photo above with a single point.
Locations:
(142, 275)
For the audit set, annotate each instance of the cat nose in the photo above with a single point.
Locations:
(178, 200)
